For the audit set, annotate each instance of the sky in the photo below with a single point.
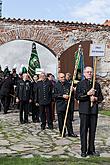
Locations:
(90, 11)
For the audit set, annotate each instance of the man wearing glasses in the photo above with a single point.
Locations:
(88, 114)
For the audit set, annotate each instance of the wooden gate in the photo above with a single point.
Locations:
(67, 57)
(67, 60)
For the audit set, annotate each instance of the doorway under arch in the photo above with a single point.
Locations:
(67, 58)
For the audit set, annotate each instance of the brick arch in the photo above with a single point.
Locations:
(40, 35)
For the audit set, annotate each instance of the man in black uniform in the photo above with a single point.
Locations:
(24, 97)
(43, 97)
(34, 107)
(61, 94)
(88, 114)
(6, 90)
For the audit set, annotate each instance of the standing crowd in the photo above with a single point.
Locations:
(44, 96)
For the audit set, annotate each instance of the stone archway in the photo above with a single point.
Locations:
(40, 35)
(19, 51)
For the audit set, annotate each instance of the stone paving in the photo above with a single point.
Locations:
(27, 140)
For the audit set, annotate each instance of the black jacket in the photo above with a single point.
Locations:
(6, 87)
(43, 92)
(34, 84)
(59, 90)
(84, 100)
(24, 90)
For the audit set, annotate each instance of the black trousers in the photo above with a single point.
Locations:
(35, 112)
(0, 105)
(46, 113)
(88, 123)
(6, 103)
(24, 108)
(61, 117)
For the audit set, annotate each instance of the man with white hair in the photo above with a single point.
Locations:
(88, 114)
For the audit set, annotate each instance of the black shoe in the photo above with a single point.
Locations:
(34, 121)
(5, 112)
(72, 135)
(93, 153)
(38, 121)
(42, 128)
(63, 135)
(26, 122)
(83, 154)
(22, 122)
(50, 127)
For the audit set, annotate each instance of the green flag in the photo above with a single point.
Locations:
(33, 61)
(80, 68)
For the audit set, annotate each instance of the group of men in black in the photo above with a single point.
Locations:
(7, 84)
(39, 95)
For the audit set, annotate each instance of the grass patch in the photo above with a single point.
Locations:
(104, 112)
(53, 161)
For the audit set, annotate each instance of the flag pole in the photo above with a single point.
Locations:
(30, 76)
(96, 50)
(73, 78)
(94, 75)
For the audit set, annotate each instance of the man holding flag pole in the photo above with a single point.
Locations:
(34, 63)
(64, 99)
(89, 95)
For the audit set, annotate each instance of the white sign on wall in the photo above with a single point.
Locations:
(97, 50)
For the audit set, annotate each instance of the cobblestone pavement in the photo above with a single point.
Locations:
(27, 140)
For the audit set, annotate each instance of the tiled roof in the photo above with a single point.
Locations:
(107, 23)
(62, 24)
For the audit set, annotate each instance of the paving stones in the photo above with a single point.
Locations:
(4, 143)
(108, 142)
(27, 140)
(63, 142)
(21, 147)
(7, 151)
